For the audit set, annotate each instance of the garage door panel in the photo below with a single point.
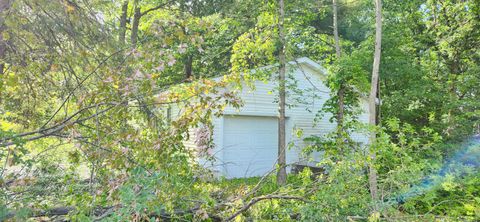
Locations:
(250, 145)
(250, 155)
(261, 145)
(247, 155)
(248, 170)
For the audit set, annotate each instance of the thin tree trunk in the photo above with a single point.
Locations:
(335, 29)
(341, 90)
(372, 176)
(282, 173)
(4, 6)
(188, 67)
(379, 105)
(136, 21)
(340, 114)
(123, 22)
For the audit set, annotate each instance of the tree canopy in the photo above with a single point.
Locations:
(87, 88)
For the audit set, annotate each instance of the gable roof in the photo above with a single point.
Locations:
(311, 64)
(300, 61)
(320, 69)
(314, 66)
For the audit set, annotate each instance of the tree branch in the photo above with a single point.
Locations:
(155, 8)
(258, 199)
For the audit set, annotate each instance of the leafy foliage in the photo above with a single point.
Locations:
(94, 125)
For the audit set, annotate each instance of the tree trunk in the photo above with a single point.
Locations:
(282, 173)
(136, 21)
(188, 67)
(335, 28)
(4, 6)
(341, 90)
(372, 176)
(123, 22)
(340, 114)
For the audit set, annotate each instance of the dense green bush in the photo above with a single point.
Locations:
(454, 196)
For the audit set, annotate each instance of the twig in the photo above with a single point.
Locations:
(155, 8)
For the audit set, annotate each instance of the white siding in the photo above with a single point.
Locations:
(260, 101)
(363, 118)
(174, 111)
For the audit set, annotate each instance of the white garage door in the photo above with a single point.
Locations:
(249, 145)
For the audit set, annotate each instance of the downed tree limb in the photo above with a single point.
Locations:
(164, 215)
(69, 121)
(57, 211)
(101, 213)
(104, 212)
(258, 199)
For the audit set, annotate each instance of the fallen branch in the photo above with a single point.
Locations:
(101, 213)
(70, 121)
(258, 199)
(57, 211)
(104, 212)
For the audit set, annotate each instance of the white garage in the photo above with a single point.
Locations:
(245, 139)
(249, 145)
